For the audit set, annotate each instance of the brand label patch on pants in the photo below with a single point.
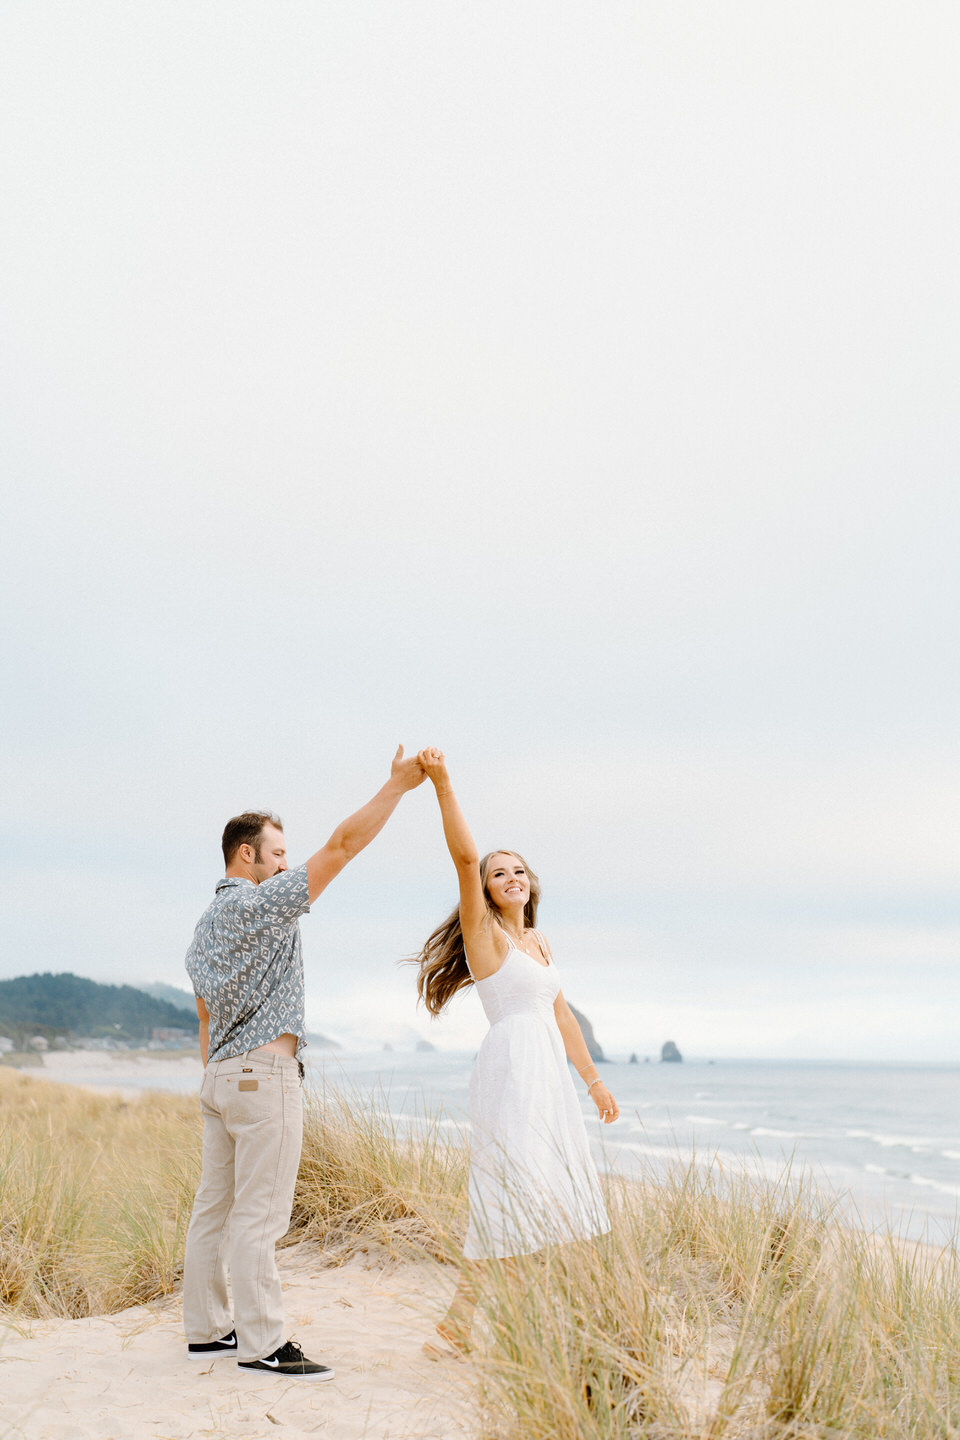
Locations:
(248, 1085)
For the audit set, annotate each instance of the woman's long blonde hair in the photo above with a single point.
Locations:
(443, 960)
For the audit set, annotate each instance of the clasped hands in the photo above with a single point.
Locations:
(410, 773)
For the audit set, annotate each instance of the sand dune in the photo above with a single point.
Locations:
(127, 1376)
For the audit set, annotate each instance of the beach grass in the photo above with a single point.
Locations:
(725, 1310)
(95, 1196)
(718, 1307)
(366, 1182)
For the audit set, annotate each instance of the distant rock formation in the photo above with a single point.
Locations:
(593, 1045)
(425, 1048)
(670, 1055)
(321, 1042)
(633, 1059)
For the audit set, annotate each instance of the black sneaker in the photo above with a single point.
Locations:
(289, 1360)
(215, 1347)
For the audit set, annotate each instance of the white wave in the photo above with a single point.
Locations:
(919, 1144)
(729, 1162)
(929, 1184)
(924, 1181)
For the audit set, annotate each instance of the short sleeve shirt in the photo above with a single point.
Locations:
(246, 962)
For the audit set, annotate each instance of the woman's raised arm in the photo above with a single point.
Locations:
(460, 843)
(463, 851)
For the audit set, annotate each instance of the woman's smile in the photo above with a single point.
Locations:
(508, 883)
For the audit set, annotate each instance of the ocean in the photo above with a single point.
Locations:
(882, 1142)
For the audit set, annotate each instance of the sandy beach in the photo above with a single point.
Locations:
(127, 1376)
(128, 1072)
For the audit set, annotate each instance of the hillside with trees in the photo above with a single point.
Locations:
(68, 1005)
(173, 994)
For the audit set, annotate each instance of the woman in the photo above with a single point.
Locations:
(532, 1181)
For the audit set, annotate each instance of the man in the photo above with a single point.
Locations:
(247, 971)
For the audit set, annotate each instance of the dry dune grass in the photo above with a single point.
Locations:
(95, 1196)
(714, 1310)
(96, 1191)
(363, 1183)
(725, 1312)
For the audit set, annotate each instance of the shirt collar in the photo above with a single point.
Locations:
(229, 881)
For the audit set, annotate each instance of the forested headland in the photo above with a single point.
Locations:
(68, 1005)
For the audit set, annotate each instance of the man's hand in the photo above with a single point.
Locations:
(408, 773)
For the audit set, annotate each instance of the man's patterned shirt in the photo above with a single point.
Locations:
(246, 963)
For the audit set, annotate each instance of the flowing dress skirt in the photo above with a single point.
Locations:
(532, 1180)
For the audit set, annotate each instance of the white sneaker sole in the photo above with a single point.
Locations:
(283, 1374)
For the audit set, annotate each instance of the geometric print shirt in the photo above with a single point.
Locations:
(246, 963)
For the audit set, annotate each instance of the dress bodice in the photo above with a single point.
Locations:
(521, 987)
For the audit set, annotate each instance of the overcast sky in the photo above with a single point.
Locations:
(573, 386)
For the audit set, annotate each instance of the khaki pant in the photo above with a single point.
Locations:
(252, 1133)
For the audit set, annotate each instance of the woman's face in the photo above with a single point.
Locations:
(507, 882)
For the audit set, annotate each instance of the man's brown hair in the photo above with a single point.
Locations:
(246, 829)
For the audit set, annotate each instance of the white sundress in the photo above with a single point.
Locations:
(532, 1180)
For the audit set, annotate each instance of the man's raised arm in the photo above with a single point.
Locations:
(356, 832)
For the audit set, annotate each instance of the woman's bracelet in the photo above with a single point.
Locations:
(592, 1083)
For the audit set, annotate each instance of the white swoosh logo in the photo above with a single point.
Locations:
(274, 1363)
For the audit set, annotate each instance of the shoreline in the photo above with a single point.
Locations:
(127, 1073)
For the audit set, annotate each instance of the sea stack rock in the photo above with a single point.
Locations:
(596, 1051)
(670, 1055)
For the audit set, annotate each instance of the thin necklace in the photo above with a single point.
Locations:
(518, 943)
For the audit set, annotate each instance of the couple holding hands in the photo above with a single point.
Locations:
(532, 1181)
